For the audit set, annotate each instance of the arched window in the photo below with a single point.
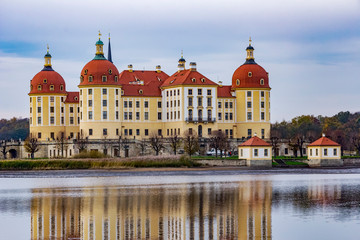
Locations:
(200, 114)
(61, 87)
(190, 115)
(261, 81)
(237, 82)
(249, 74)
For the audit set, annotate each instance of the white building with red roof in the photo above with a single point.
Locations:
(324, 152)
(256, 152)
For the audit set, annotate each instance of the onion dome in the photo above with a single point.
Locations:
(250, 74)
(99, 71)
(182, 61)
(47, 80)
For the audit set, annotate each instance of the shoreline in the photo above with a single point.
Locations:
(195, 171)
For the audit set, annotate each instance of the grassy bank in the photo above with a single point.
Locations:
(113, 163)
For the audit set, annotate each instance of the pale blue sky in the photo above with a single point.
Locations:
(311, 49)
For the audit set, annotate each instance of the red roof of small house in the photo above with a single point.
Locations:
(324, 141)
(72, 97)
(255, 141)
(142, 83)
(187, 77)
(224, 92)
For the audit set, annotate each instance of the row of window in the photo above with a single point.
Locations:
(129, 116)
(51, 99)
(171, 103)
(127, 132)
(262, 104)
(262, 94)
(52, 109)
(172, 115)
(325, 152)
(200, 101)
(262, 133)
(249, 116)
(228, 116)
(52, 87)
(103, 78)
(171, 92)
(226, 105)
(128, 104)
(199, 90)
(52, 120)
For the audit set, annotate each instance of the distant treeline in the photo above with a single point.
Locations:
(15, 128)
(343, 128)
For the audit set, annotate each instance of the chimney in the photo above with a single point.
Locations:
(181, 67)
(193, 66)
(130, 67)
(158, 69)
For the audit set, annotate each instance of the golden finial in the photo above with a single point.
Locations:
(48, 48)
(182, 53)
(109, 36)
(249, 41)
(99, 34)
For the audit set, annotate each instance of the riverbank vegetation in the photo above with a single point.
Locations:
(101, 163)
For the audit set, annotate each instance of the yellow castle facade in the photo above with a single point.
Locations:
(140, 103)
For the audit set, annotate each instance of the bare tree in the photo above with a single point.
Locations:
(355, 140)
(81, 143)
(217, 141)
(61, 143)
(105, 145)
(4, 149)
(191, 143)
(156, 143)
(142, 144)
(31, 146)
(175, 143)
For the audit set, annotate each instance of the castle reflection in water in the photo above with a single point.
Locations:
(188, 211)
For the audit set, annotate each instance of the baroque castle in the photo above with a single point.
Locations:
(137, 103)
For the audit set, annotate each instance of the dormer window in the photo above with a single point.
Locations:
(249, 74)
(86, 71)
(104, 78)
(81, 78)
(193, 80)
(140, 91)
(237, 82)
(31, 88)
(39, 87)
(110, 71)
(122, 92)
(116, 78)
(45, 80)
(61, 87)
(51, 87)
(75, 98)
(90, 78)
(203, 80)
(261, 81)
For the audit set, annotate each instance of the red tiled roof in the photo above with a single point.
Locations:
(255, 141)
(97, 69)
(224, 91)
(72, 97)
(185, 77)
(324, 141)
(253, 81)
(147, 81)
(52, 78)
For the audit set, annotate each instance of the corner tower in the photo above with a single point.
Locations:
(100, 95)
(251, 85)
(47, 95)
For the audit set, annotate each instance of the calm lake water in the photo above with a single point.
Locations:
(283, 204)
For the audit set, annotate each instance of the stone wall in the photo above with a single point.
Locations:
(223, 163)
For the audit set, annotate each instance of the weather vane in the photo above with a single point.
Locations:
(99, 34)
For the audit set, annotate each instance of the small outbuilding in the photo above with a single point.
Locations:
(324, 153)
(256, 152)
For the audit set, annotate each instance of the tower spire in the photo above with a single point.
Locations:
(250, 53)
(109, 51)
(47, 58)
(99, 49)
